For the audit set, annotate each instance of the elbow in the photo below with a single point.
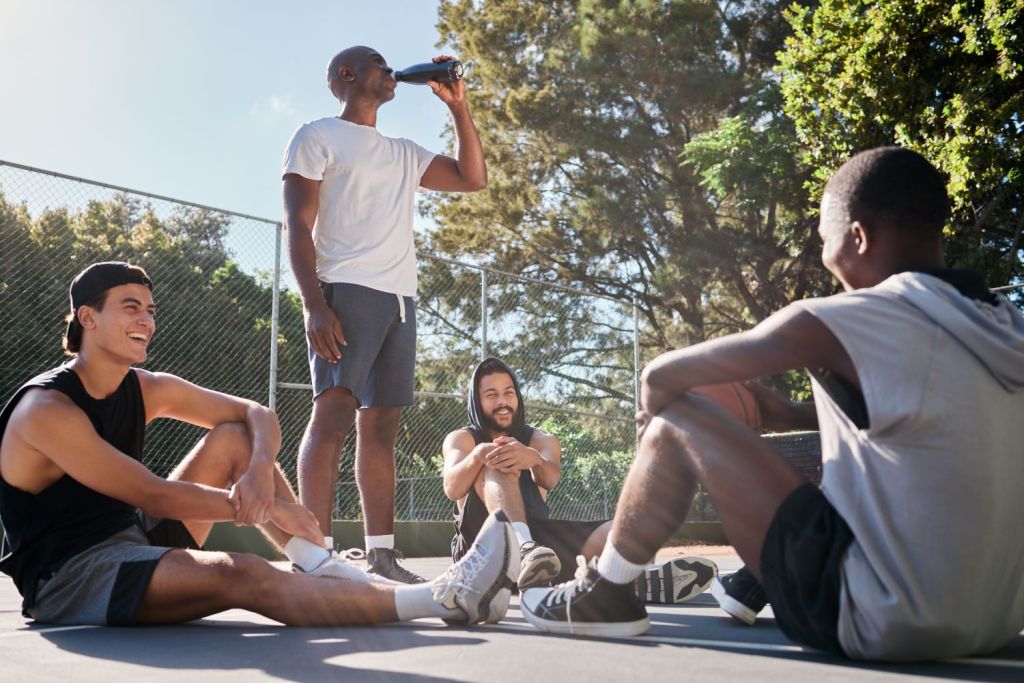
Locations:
(478, 184)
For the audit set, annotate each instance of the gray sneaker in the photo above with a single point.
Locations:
(481, 583)
(384, 562)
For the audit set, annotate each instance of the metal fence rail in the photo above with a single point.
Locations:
(230, 319)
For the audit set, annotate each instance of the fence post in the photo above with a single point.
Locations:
(483, 314)
(636, 352)
(275, 314)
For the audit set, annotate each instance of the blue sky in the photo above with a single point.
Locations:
(194, 99)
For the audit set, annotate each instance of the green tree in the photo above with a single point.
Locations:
(944, 78)
(585, 108)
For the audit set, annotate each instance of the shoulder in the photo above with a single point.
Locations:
(460, 439)
(540, 438)
(42, 408)
(313, 132)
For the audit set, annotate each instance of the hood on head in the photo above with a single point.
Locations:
(476, 412)
(994, 334)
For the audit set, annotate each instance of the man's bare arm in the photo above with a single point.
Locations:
(468, 172)
(172, 397)
(463, 460)
(789, 339)
(301, 204)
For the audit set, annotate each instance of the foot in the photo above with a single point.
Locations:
(481, 583)
(740, 595)
(538, 565)
(677, 580)
(384, 562)
(589, 605)
(337, 566)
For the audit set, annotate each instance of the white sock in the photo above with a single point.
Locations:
(329, 542)
(416, 601)
(522, 532)
(382, 541)
(614, 567)
(305, 555)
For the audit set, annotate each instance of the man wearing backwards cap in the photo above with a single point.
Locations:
(93, 537)
(501, 462)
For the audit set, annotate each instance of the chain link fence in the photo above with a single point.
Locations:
(229, 319)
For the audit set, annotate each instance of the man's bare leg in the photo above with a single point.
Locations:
(320, 452)
(377, 431)
(220, 459)
(694, 440)
(191, 584)
(595, 541)
(500, 491)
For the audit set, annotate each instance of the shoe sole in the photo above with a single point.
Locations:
(623, 629)
(678, 580)
(733, 607)
(541, 569)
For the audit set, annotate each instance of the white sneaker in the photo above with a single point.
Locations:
(481, 583)
(336, 566)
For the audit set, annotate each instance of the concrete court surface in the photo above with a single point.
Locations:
(693, 641)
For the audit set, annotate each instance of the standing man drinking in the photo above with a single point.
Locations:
(348, 201)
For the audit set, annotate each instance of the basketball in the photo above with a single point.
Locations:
(737, 399)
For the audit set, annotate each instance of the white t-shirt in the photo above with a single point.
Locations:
(363, 232)
(933, 489)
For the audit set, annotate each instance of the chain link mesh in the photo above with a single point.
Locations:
(214, 290)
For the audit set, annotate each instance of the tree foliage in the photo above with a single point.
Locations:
(944, 78)
(584, 109)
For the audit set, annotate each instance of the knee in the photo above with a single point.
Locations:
(379, 425)
(333, 412)
(232, 439)
(249, 572)
(503, 479)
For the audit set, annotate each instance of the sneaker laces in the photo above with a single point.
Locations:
(459, 577)
(352, 554)
(565, 592)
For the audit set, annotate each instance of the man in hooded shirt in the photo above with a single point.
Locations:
(501, 462)
(910, 549)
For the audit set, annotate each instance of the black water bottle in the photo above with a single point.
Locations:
(442, 72)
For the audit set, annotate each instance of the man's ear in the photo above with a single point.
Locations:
(345, 74)
(86, 316)
(861, 237)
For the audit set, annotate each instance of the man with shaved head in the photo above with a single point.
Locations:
(348, 201)
(909, 550)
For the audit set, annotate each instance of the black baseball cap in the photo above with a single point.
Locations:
(99, 277)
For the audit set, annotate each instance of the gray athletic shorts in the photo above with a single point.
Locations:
(378, 365)
(104, 584)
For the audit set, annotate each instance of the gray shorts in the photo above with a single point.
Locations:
(378, 366)
(104, 584)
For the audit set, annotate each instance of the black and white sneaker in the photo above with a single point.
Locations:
(384, 562)
(741, 595)
(538, 565)
(480, 584)
(678, 580)
(589, 605)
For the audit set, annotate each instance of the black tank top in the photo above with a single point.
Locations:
(44, 530)
(533, 502)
